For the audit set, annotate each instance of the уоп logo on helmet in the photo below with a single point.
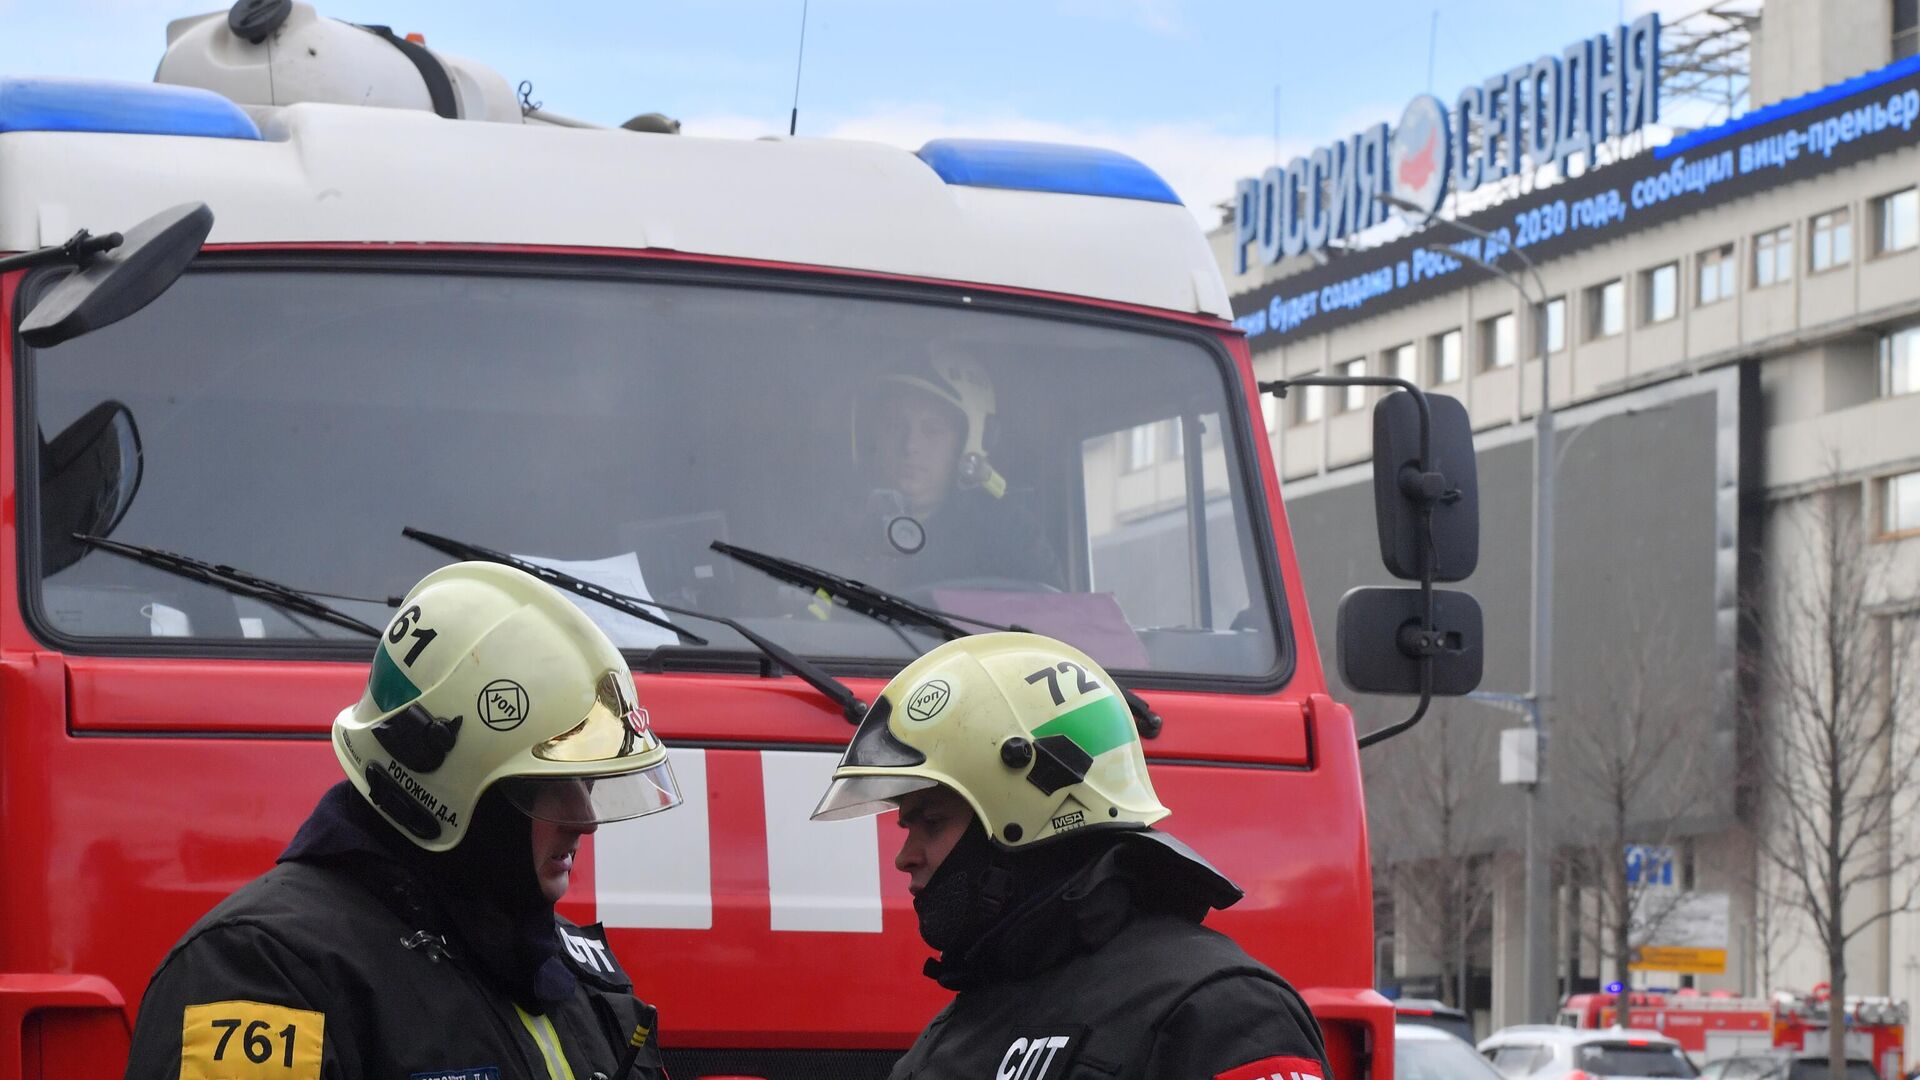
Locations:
(926, 702)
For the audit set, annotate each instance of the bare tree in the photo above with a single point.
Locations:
(1432, 817)
(1777, 926)
(1833, 673)
(1622, 758)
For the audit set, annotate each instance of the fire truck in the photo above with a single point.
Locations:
(1876, 1028)
(1711, 1026)
(1707, 1026)
(321, 307)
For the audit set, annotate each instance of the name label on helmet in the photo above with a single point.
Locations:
(421, 795)
(1037, 1054)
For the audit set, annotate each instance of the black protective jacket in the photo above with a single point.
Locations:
(342, 970)
(1113, 977)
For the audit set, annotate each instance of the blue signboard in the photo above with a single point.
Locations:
(1782, 143)
(1544, 112)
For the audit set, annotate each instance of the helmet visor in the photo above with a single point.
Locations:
(865, 796)
(584, 801)
(614, 728)
(874, 744)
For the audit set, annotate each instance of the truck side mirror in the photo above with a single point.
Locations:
(114, 280)
(1426, 495)
(1449, 485)
(1383, 642)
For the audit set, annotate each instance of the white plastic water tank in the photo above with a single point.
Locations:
(305, 57)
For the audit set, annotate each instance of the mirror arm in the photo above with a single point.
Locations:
(1429, 487)
(79, 249)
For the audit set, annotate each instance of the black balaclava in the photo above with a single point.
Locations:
(488, 887)
(950, 908)
(485, 887)
(980, 884)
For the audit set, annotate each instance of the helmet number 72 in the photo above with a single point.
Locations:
(1082, 684)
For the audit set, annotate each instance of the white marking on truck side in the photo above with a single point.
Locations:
(822, 875)
(656, 872)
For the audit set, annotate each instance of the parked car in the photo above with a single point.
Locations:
(1433, 1013)
(1551, 1052)
(1425, 1052)
(1782, 1065)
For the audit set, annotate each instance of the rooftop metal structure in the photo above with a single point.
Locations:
(1706, 64)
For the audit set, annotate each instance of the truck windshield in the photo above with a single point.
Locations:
(1077, 476)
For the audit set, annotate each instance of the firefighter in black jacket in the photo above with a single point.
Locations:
(409, 929)
(1068, 927)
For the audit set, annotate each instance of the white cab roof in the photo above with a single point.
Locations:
(335, 173)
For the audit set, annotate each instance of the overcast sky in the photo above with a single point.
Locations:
(1188, 87)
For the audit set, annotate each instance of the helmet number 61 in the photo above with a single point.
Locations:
(421, 635)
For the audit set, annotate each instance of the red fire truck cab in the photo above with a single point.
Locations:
(606, 350)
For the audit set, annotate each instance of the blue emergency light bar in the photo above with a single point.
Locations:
(1034, 166)
(120, 108)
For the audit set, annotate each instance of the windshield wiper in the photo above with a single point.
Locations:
(621, 602)
(833, 689)
(238, 582)
(895, 610)
(868, 600)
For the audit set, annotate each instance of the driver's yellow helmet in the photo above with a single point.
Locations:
(1029, 730)
(489, 676)
(963, 383)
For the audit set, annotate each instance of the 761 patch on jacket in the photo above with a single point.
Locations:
(1275, 1068)
(1040, 1054)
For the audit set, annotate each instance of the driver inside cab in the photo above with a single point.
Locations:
(937, 510)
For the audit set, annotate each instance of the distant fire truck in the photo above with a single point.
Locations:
(1706, 1026)
(1712, 1026)
(1876, 1028)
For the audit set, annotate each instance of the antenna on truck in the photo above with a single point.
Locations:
(793, 119)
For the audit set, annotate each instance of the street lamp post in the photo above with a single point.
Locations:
(1538, 952)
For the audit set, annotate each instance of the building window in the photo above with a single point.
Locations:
(1309, 403)
(1900, 361)
(1716, 275)
(1906, 28)
(1606, 309)
(1140, 446)
(1496, 342)
(1401, 362)
(1896, 220)
(1446, 358)
(1900, 504)
(1352, 398)
(1660, 293)
(1550, 325)
(1176, 440)
(1270, 411)
(1773, 257)
(1832, 242)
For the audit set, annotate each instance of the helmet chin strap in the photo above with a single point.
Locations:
(976, 471)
